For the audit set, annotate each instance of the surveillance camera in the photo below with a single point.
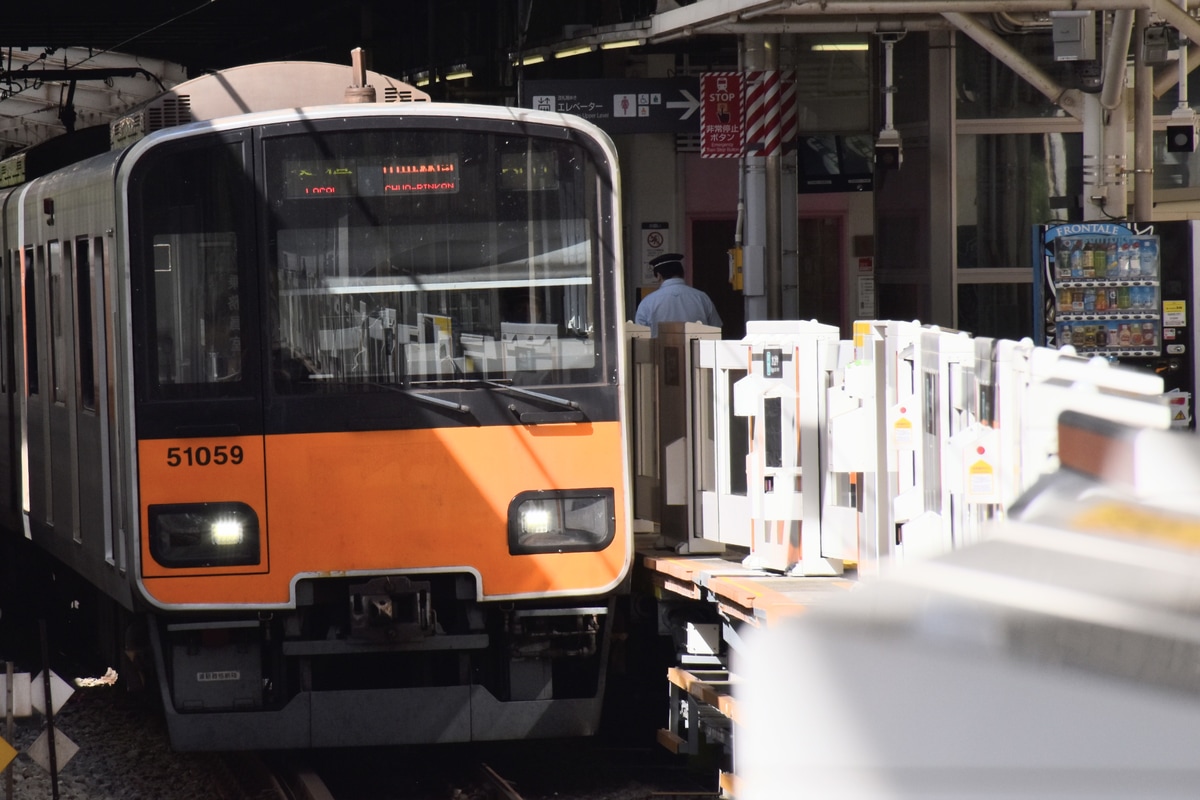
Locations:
(1181, 132)
(1181, 138)
(888, 152)
(1160, 45)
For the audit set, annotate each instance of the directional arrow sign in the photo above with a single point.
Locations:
(7, 754)
(64, 750)
(689, 102)
(22, 706)
(60, 691)
(622, 105)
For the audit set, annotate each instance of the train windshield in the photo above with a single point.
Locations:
(414, 256)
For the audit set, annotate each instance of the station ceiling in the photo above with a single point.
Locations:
(175, 39)
(166, 41)
(212, 34)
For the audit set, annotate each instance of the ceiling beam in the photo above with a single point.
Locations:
(33, 89)
(726, 16)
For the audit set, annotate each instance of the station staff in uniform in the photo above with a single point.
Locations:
(674, 300)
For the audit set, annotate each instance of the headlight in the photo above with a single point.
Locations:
(561, 521)
(204, 535)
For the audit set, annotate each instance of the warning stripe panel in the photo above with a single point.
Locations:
(771, 111)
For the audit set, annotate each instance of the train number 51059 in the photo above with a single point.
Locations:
(203, 456)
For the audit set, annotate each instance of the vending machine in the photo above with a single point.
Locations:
(1124, 291)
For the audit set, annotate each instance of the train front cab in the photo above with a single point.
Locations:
(379, 456)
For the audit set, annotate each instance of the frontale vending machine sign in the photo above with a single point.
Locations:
(1103, 291)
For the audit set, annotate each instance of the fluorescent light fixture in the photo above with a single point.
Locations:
(841, 47)
(526, 61)
(422, 82)
(619, 45)
(459, 74)
(573, 51)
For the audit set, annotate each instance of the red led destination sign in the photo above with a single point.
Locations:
(322, 178)
(421, 176)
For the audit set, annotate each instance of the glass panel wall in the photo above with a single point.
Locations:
(1018, 164)
(1000, 310)
(988, 89)
(1008, 183)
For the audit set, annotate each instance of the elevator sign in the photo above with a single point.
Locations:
(636, 105)
(721, 117)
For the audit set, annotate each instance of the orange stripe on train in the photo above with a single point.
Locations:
(389, 500)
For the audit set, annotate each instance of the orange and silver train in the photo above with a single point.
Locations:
(326, 397)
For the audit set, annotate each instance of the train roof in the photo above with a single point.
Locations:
(269, 86)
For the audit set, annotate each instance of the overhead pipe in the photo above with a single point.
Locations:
(848, 25)
(1009, 23)
(685, 21)
(752, 56)
(739, 227)
(1112, 90)
(1143, 125)
(1182, 106)
(851, 7)
(736, 21)
(1177, 17)
(889, 88)
(1167, 9)
(1067, 99)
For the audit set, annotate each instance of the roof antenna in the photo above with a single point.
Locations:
(359, 91)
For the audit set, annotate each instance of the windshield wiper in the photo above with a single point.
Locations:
(425, 398)
(573, 413)
(462, 408)
(549, 398)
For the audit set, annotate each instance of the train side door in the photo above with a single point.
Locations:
(92, 470)
(59, 392)
(36, 430)
(10, 494)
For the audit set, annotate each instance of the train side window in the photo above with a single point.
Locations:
(32, 372)
(83, 299)
(57, 258)
(191, 252)
(199, 327)
(6, 321)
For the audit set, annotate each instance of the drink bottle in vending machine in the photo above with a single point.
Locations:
(1124, 291)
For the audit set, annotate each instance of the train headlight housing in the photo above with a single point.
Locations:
(561, 521)
(204, 535)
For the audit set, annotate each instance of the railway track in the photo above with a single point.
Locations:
(502, 789)
(252, 776)
(531, 770)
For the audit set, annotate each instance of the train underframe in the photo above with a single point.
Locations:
(381, 661)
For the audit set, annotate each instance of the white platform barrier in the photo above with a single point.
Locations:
(1055, 659)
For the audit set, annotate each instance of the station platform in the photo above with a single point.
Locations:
(753, 596)
(703, 710)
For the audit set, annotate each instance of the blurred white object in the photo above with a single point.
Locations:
(1060, 658)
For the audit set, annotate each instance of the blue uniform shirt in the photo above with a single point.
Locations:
(675, 301)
